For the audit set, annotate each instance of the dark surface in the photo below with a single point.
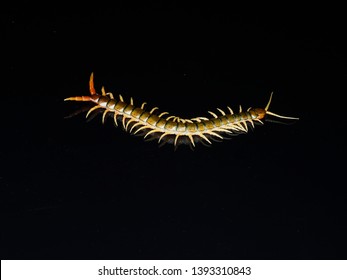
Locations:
(72, 189)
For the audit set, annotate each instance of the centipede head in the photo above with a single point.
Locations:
(261, 113)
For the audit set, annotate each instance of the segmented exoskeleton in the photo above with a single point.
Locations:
(174, 129)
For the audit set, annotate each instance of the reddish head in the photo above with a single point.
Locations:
(260, 113)
(257, 113)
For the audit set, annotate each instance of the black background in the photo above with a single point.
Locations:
(72, 189)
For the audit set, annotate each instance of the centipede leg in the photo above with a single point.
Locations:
(104, 115)
(92, 109)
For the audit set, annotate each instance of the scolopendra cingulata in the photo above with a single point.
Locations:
(172, 129)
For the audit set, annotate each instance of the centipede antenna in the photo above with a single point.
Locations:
(281, 117)
(276, 115)
(268, 104)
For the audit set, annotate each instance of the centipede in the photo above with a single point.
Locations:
(166, 128)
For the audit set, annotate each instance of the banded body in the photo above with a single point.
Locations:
(173, 129)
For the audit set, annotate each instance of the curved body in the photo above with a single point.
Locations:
(173, 129)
